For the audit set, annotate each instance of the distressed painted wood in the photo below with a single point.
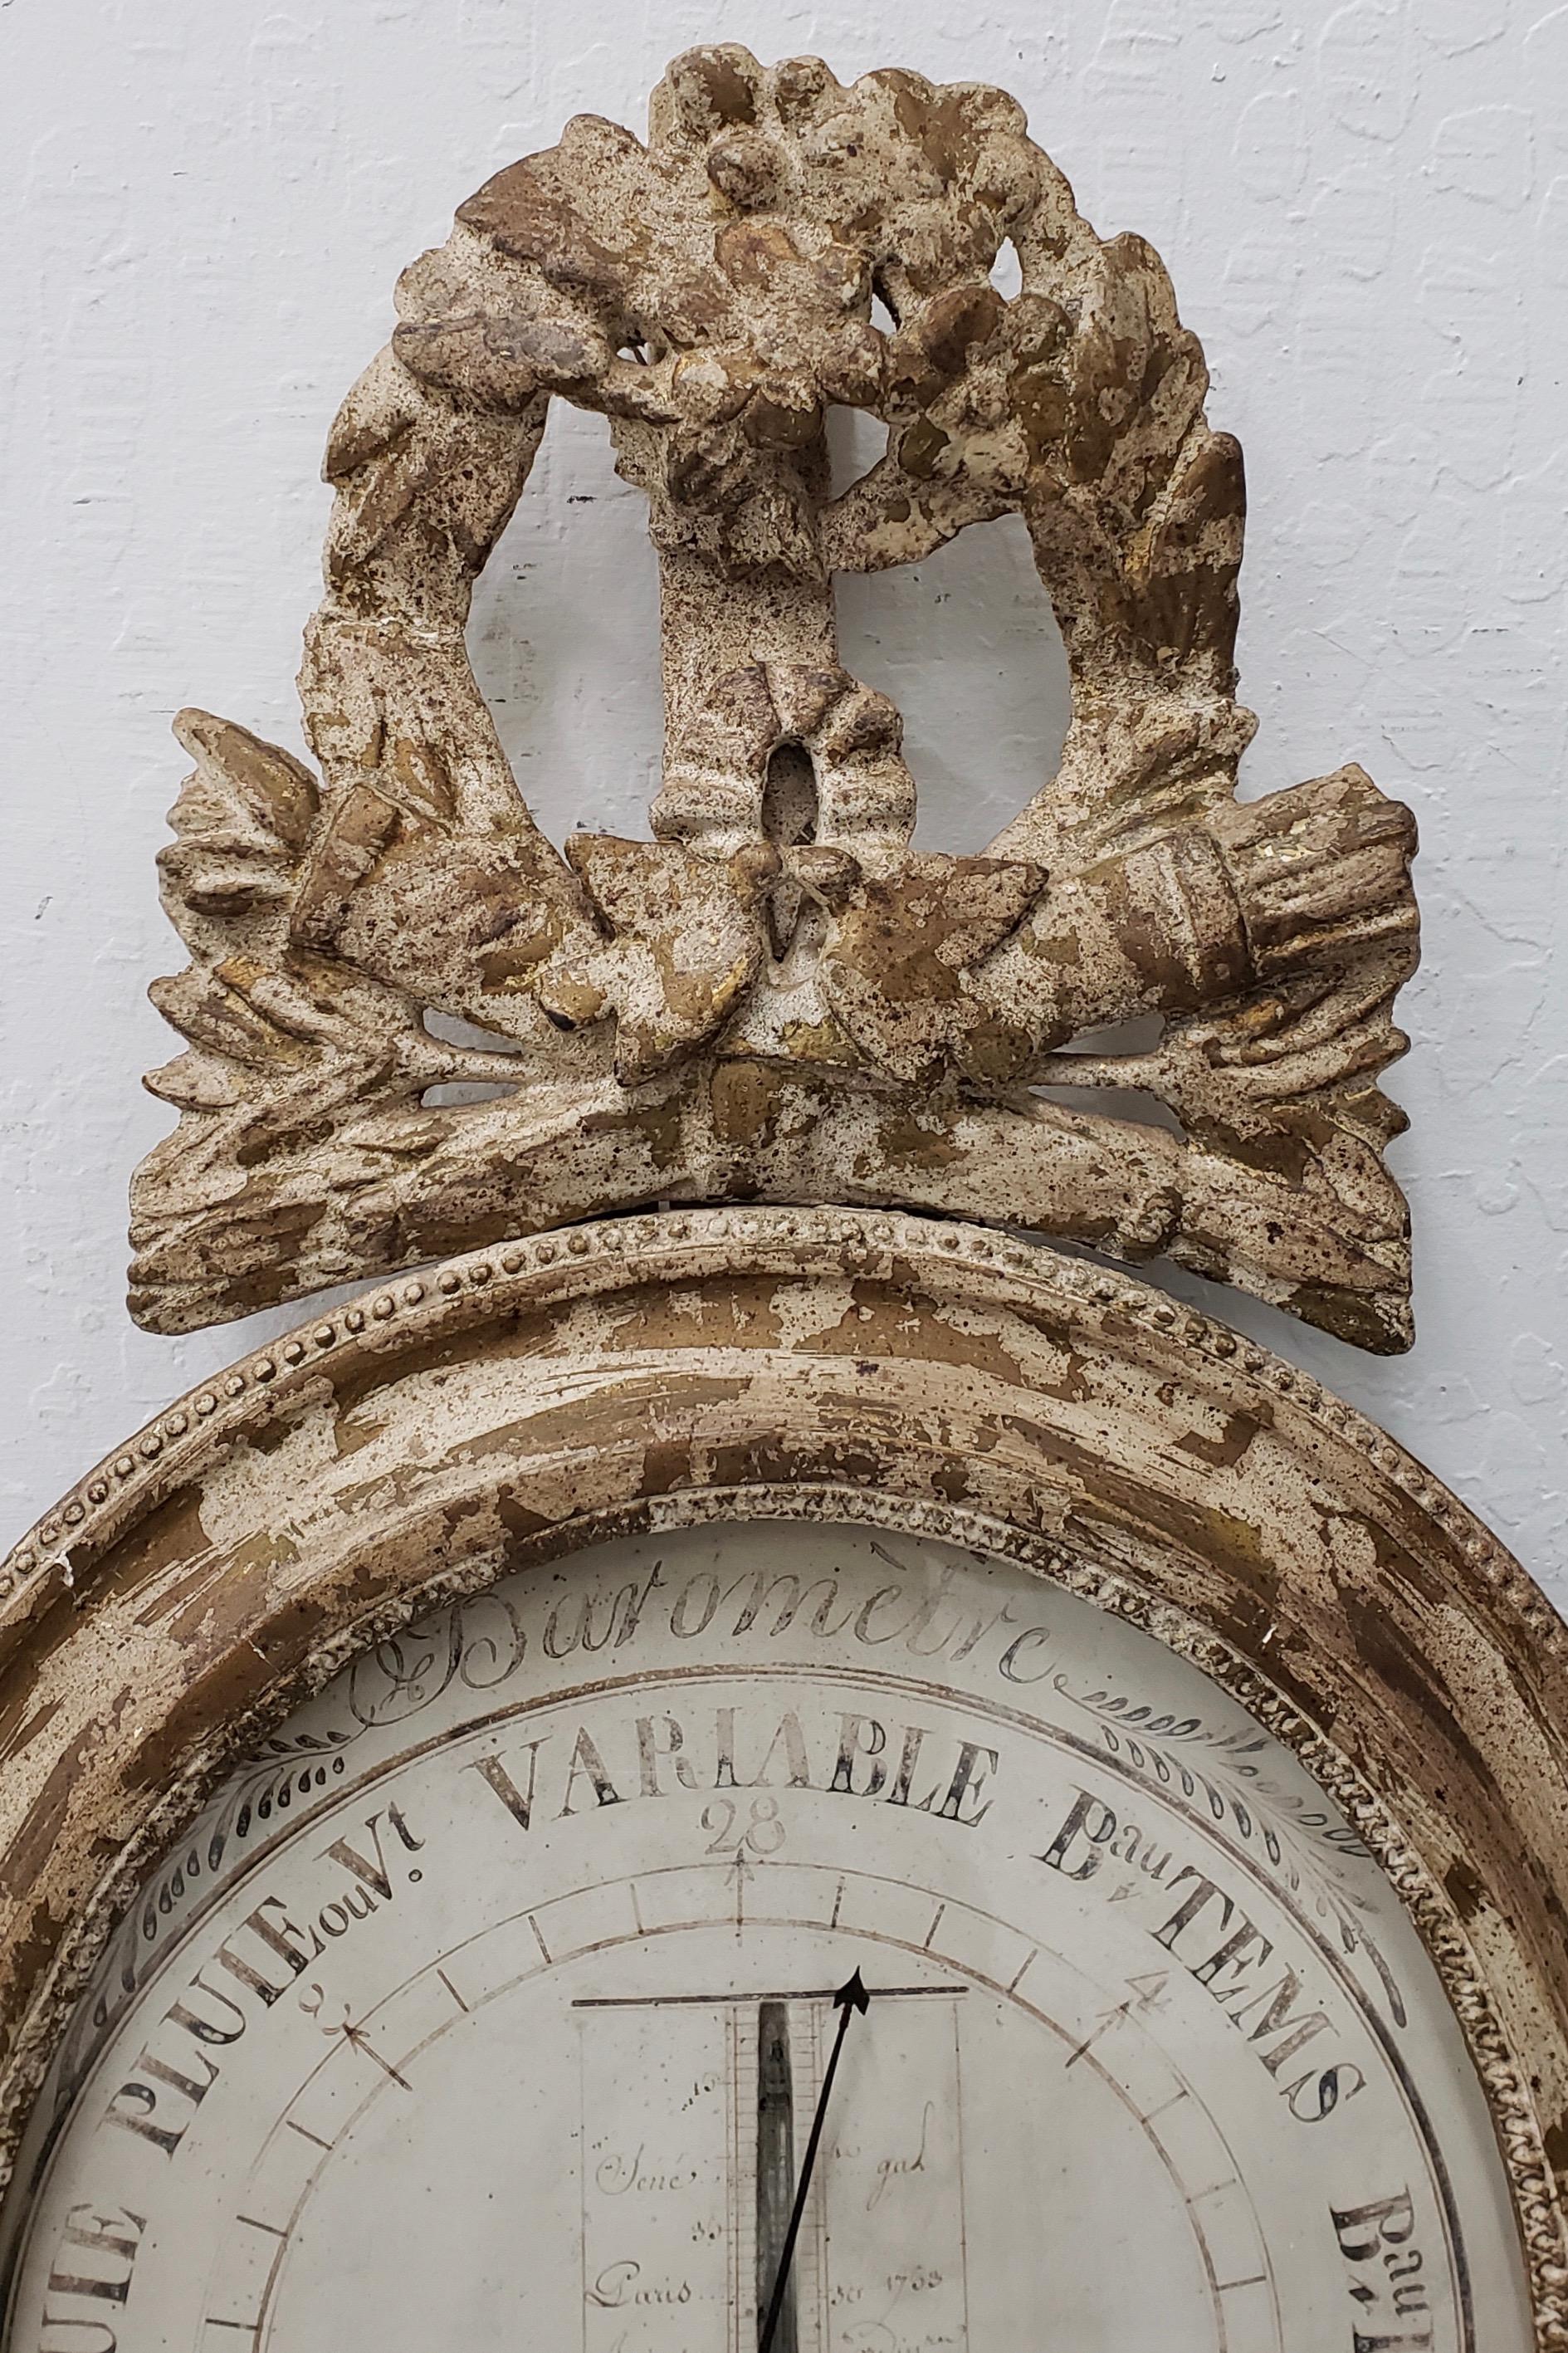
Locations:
(775, 998)
(653, 1371)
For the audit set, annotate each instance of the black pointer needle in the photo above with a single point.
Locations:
(848, 2000)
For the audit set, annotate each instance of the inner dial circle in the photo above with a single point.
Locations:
(495, 2001)
(666, 2205)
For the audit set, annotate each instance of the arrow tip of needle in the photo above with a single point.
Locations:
(854, 1993)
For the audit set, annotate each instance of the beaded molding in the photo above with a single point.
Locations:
(525, 1268)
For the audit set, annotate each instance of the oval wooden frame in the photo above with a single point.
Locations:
(655, 1370)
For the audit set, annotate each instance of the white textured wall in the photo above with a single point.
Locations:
(1365, 210)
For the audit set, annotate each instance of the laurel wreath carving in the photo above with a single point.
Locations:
(774, 997)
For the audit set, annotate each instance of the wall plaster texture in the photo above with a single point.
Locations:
(1365, 208)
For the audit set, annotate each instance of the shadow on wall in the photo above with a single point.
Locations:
(564, 641)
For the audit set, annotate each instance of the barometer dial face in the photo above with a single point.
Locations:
(493, 2005)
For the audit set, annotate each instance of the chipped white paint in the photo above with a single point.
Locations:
(1366, 212)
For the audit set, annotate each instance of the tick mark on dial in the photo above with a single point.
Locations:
(742, 1870)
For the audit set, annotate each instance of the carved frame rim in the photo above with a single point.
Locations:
(634, 1336)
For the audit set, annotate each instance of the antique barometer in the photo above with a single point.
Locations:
(734, 1750)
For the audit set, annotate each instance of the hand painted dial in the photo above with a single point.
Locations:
(494, 2005)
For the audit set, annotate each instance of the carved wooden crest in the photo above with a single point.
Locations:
(775, 998)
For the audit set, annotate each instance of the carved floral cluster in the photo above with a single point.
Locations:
(576, 273)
